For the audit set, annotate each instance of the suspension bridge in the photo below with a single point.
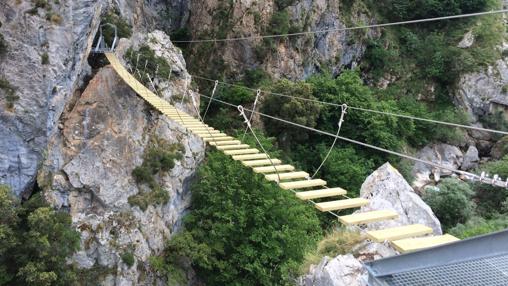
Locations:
(306, 188)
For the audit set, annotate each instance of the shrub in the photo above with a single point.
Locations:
(10, 92)
(36, 242)
(451, 202)
(128, 258)
(45, 58)
(124, 29)
(159, 157)
(478, 226)
(147, 55)
(337, 242)
(241, 229)
(490, 199)
(3, 46)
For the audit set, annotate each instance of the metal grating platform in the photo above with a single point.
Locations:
(481, 260)
(492, 271)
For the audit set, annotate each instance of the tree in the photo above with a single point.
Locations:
(451, 202)
(36, 241)
(294, 110)
(243, 230)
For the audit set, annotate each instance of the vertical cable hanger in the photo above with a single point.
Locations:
(249, 127)
(258, 92)
(210, 101)
(341, 121)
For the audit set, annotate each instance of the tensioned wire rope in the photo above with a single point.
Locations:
(450, 124)
(426, 20)
(468, 175)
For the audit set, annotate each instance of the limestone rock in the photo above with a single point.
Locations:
(89, 165)
(475, 91)
(388, 190)
(500, 149)
(442, 154)
(467, 41)
(471, 159)
(343, 270)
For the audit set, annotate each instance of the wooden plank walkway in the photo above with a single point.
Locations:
(290, 179)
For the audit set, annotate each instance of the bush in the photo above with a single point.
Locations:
(10, 92)
(243, 230)
(490, 199)
(451, 202)
(3, 46)
(45, 59)
(124, 29)
(147, 55)
(36, 242)
(338, 242)
(159, 157)
(478, 226)
(128, 258)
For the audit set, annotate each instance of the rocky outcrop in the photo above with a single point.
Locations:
(387, 189)
(476, 91)
(500, 149)
(101, 139)
(43, 87)
(292, 57)
(443, 154)
(471, 159)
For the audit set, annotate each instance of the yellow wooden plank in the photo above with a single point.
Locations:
(341, 204)
(208, 135)
(229, 142)
(233, 147)
(225, 138)
(241, 152)
(202, 133)
(317, 194)
(254, 163)
(413, 244)
(368, 217)
(287, 176)
(271, 169)
(194, 125)
(250, 157)
(302, 184)
(400, 232)
(201, 128)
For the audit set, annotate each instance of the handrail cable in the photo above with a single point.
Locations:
(468, 175)
(364, 109)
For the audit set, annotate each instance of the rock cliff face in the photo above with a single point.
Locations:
(291, 57)
(79, 135)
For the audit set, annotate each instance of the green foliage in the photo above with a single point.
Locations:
(45, 58)
(451, 202)
(128, 258)
(243, 230)
(279, 23)
(337, 242)
(282, 4)
(36, 241)
(159, 156)
(10, 92)
(401, 10)
(491, 199)
(147, 55)
(478, 226)
(345, 167)
(124, 29)
(301, 112)
(3, 46)
(238, 95)
(254, 77)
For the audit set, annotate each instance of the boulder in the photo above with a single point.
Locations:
(388, 190)
(442, 154)
(467, 41)
(471, 159)
(345, 270)
(500, 149)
